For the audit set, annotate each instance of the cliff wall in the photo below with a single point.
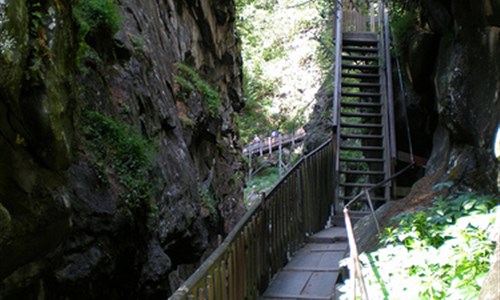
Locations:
(120, 157)
(452, 61)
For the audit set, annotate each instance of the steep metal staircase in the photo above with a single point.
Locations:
(256, 260)
(363, 117)
(363, 156)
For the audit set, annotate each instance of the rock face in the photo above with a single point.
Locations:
(466, 84)
(120, 161)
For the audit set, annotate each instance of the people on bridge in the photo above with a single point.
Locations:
(256, 139)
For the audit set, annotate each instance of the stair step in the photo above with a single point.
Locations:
(360, 85)
(360, 94)
(360, 75)
(347, 41)
(366, 160)
(359, 57)
(361, 67)
(358, 172)
(360, 125)
(373, 198)
(360, 50)
(360, 105)
(355, 216)
(360, 36)
(362, 148)
(330, 235)
(360, 115)
(367, 44)
(360, 136)
(361, 185)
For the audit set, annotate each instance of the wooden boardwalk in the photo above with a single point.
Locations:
(313, 271)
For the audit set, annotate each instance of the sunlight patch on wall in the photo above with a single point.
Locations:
(497, 143)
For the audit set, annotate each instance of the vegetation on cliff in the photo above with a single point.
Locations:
(122, 159)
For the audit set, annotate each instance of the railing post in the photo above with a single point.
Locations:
(249, 165)
(390, 94)
(336, 96)
(280, 156)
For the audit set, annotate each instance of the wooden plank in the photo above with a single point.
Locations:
(224, 280)
(291, 283)
(210, 290)
(329, 235)
(315, 261)
(406, 157)
(331, 247)
(321, 284)
(232, 273)
(360, 36)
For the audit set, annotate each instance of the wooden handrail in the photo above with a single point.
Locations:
(267, 143)
(337, 92)
(273, 228)
(338, 64)
(390, 94)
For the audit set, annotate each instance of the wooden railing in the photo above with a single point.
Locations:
(385, 36)
(269, 233)
(271, 143)
(337, 92)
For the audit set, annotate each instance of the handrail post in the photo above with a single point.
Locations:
(390, 94)
(337, 90)
(338, 63)
(356, 265)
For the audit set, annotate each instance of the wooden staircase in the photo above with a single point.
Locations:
(363, 155)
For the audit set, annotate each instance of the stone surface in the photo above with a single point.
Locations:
(64, 223)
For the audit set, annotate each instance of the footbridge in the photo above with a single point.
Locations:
(289, 243)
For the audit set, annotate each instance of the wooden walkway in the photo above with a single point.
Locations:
(313, 271)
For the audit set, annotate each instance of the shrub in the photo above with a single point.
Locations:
(95, 18)
(442, 252)
(403, 26)
(190, 81)
(95, 15)
(208, 200)
(119, 153)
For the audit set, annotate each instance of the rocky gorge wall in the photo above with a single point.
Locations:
(120, 160)
(452, 60)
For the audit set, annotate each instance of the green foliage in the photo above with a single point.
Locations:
(208, 200)
(40, 56)
(442, 252)
(425, 227)
(276, 96)
(190, 81)
(403, 23)
(254, 116)
(259, 4)
(119, 153)
(264, 180)
(326, 50)
(95, 17)
(137, 42)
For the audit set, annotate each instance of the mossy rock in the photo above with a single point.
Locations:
(13, 46)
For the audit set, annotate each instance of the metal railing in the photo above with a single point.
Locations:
(269, 233)
(270, 143)
(378, 19)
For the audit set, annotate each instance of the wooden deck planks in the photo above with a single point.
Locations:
(314, 269)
